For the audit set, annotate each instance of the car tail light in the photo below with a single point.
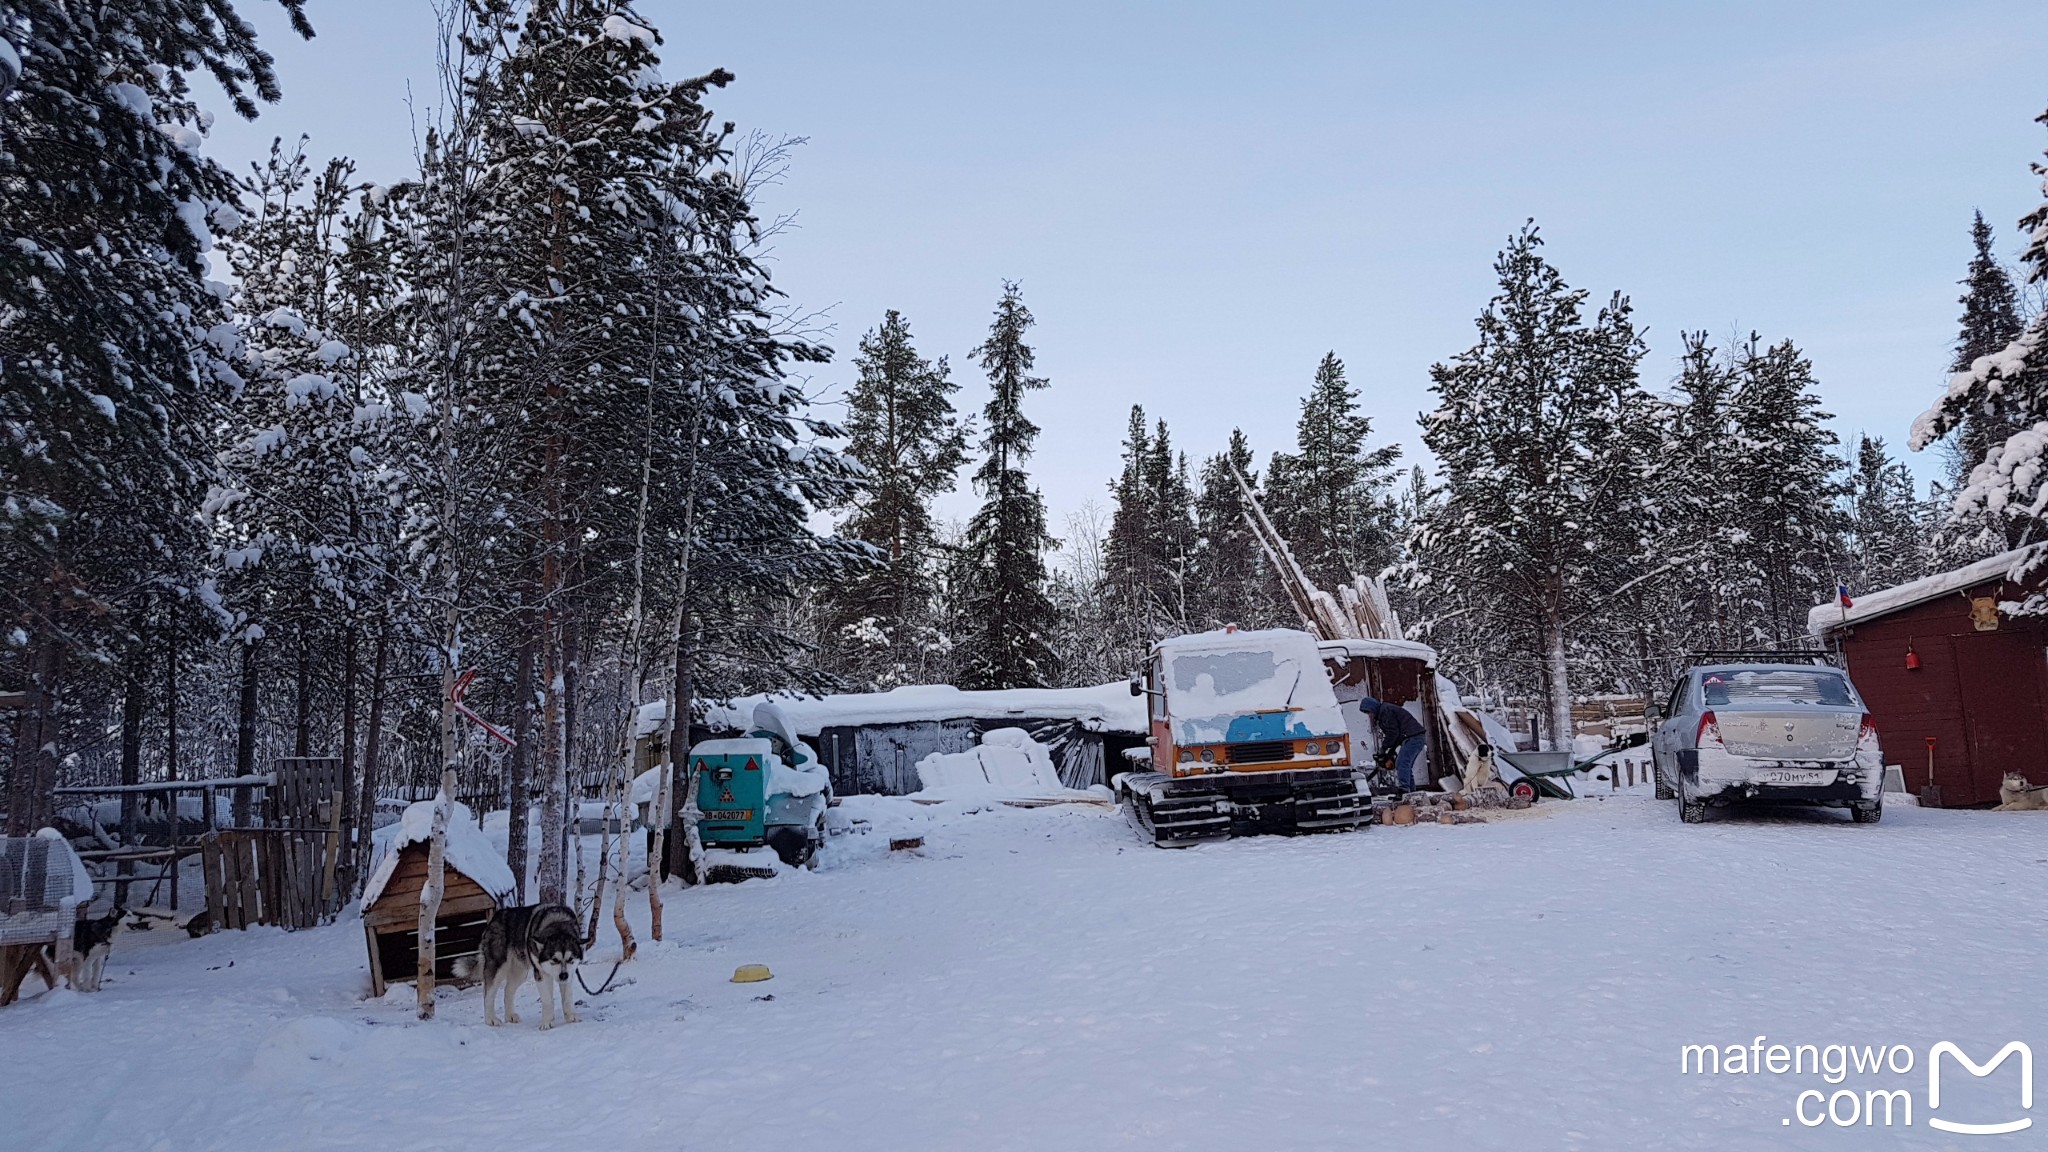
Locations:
(1866, 735)
(1710, 729)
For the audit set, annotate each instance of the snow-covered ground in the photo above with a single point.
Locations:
(1039, 979)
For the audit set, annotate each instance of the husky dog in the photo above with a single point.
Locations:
(91, 941)
(540, 939)
(2016, 795)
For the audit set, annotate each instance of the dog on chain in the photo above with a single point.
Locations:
(2016, 795)
(539, 939)
(91, 942)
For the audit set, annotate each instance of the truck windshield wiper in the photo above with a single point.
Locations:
(1288, 704)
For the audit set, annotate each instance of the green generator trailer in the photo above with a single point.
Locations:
(764, 789)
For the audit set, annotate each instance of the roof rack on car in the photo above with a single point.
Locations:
(1760, 656)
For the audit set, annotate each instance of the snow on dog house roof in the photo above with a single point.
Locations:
(467, 850)
(1103, 708)
(2014, 566)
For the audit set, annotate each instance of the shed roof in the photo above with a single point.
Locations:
(1378, 649)
(2015, 565)
(1103, 708)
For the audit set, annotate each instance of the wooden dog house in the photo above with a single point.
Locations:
(475, 883)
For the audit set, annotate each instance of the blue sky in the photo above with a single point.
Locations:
(1201, 199)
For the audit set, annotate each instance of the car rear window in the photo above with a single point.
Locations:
(1776, 686)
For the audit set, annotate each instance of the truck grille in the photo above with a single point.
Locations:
(1263, 752)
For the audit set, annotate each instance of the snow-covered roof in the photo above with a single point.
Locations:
(1231, 640)
(467, 850)
(649, 718)
(1382, 649)
(737, 746)
(2013, 565)
(1105, 707)
(46, 881)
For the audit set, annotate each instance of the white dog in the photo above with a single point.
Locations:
(1480, 774)
(2016, 795)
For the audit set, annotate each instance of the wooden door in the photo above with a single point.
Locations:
(1999, 675)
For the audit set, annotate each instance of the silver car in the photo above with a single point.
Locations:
(1754, 731)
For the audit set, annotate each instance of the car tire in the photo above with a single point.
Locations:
(1867, 813)
(1664, 791)
(1690, 811)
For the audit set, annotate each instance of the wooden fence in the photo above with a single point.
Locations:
(278, 876)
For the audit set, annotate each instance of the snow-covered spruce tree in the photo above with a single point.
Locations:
(448, 455)
(1008, 616)
(302, 523)
(1149, 553)
(1172, 494)
(1990, 321)
(1540, 430)
(1785, 493)
(1129, 562)
(1692, 492)
(1231, 581)
(902, 428)
(1889, 540)
(2004, 385)
(580, 133)
(110, 336)
(1329, 496)
(748, 461)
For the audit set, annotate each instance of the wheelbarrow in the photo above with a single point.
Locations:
(1536, 775)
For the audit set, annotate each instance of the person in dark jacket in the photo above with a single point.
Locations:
(1399, 730)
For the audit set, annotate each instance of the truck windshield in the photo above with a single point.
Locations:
(1205, 676)
(1777, 686)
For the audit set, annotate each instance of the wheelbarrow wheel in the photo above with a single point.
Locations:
(1525, 789)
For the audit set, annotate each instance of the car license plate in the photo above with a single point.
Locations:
(1794, 776)
(729, 814)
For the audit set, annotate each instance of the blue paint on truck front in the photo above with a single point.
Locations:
(1267, 726)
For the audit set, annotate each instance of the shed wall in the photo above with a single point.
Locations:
(1979, 694)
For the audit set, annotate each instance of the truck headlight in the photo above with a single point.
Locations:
(1208, 755)
(1312, 748)
(1187, 756)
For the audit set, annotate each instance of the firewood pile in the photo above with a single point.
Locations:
(1441, 807)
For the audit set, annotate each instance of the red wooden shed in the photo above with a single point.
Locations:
(1956, 681)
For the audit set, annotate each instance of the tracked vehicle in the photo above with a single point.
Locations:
(1247, 737)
